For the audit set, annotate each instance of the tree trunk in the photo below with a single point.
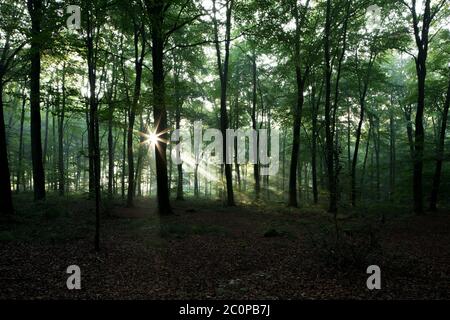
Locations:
(35, 10)
(349, 156)
(355, 153)
(111, 141)
(254, 127)
(366, 153)
(422, 39)
(297, 112)
(376, 143)
(93, 124)
(90, 159)
(124, 154)
(5, 180)
(236, 127)
(45, 153)
(196, 182)
(140, 160)
(61, 136)
(54, 173)
(139, 60)
(223, 73)
(283, 169)
(409, 130)
(392, 154)
(362, 104)
(180, 195)
(419, 136)
(440, 154)
(315, 112)
(156, 13)
(110, 150)
(19, 166)
(328, 125)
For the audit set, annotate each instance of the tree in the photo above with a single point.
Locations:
(421, 27)
(302, 69)
(95, 13)
(61, 169)
(10, 49)
(7, 61)
(35, 11)
(256, 175)
(223, 75)
(156, 11)
(328, 124)
(440, 153)
(140, 38)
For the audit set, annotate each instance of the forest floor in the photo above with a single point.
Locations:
(206, 251)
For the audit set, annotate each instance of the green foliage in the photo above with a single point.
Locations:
(265, 32)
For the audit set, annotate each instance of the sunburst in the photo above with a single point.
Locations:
(152, 138)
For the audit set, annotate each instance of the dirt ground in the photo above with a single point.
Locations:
(247, 252)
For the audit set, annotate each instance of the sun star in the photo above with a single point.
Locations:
(153, 138)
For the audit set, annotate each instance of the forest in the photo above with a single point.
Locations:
(224, 149)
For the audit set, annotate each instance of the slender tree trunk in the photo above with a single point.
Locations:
(283, 169)
(366, 153)
(299, 179)
(392, 154)
(170, 165)
(362, 104)
(328, 125)
(236, 126)
(355, 153)
(296, 141)
(421, 35)
(223, 72)
(256, 175)
(140, 160)
(337, 165)
(90, 159)
(61, 136)
(35, 10)
(139, 61)
(19, 166)
(306, 182)
(349, 156)
(111, 141)
(315, 112)
(377, 156)
(297, 112)
(196, 182)
(54, 153)
(409, 130)
(110, 150)
(45, 155)
(5, 180)
(440, 154)
(93, 121)
(419, 135)
(180, 195)
(334, 133)
(267, 177)
(124, 156)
